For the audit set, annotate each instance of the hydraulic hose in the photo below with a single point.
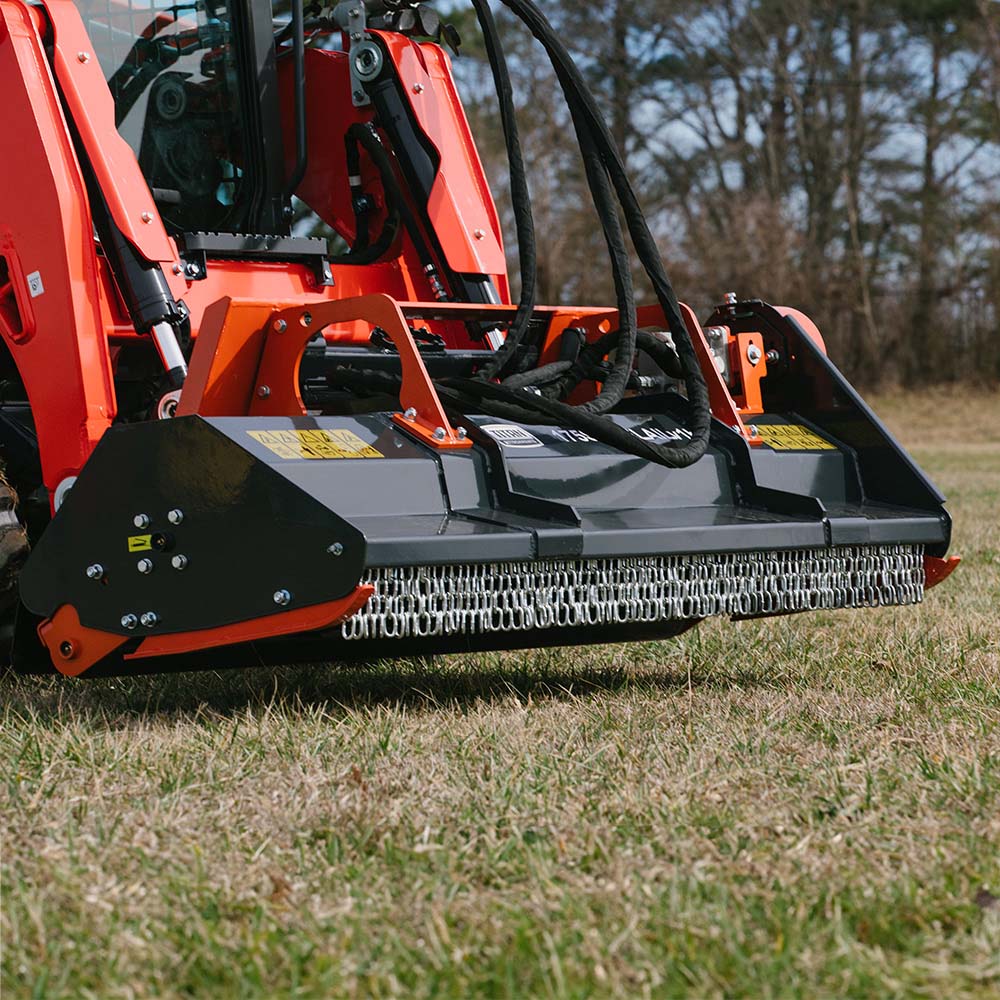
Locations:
(605, 168)
(520, 194)
(588, 120)
(536, 396)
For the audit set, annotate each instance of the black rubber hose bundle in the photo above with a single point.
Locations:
(604, 169)
(520, 194)
(591, 127)
(535, 396)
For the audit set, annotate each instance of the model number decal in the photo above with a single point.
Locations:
(792, 437)
(322, 445)
(652, 435)
(140, 543)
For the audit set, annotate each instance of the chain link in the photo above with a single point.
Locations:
(430, 601)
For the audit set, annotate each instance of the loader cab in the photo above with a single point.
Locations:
(195, 92)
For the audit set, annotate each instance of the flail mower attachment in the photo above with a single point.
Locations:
(304, 538)
(234, 448)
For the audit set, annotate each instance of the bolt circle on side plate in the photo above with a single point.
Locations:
(130, 622)
(175, 516)
(95, 572)
(149, 619)
(282, 598)
(144, 566)
(141, 521)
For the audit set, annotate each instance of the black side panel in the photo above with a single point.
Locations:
(246, 533)
(807, 385)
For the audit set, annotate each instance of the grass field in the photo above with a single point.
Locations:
(805, 807)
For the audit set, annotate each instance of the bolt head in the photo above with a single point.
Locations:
(480, 234)
(282, 598)
(337, 549)
(354, 12)
(177, 269)
(149, 619)
(356, 36)
(179, 562)
(462, 433)
(418, 88)
(410, 414)
(141, 520)
(67, 649)
(440, 434)
(754, 354)
(773, 357)
(192, 270)
(95, 572)
(147, 217)
(144, 566)
(280, 326)
(307, 319)
(130, 622)
(263, 392)
(175, 516)
(83, 57)
(731, 299)
(359, 95)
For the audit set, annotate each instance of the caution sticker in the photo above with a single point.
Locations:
(323, 445)
(792, 437)
(140, 543)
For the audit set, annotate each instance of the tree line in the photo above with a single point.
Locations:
(843, 157)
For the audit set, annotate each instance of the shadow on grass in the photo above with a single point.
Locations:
(444, 683)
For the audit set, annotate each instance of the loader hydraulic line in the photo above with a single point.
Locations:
(142, 285)
(301, 136)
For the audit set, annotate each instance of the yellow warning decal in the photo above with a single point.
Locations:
(792, 437)
(140, 543)
(317, 444)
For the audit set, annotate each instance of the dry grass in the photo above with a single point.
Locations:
(800, 807)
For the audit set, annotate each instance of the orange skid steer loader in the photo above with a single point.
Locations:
(227, 440)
